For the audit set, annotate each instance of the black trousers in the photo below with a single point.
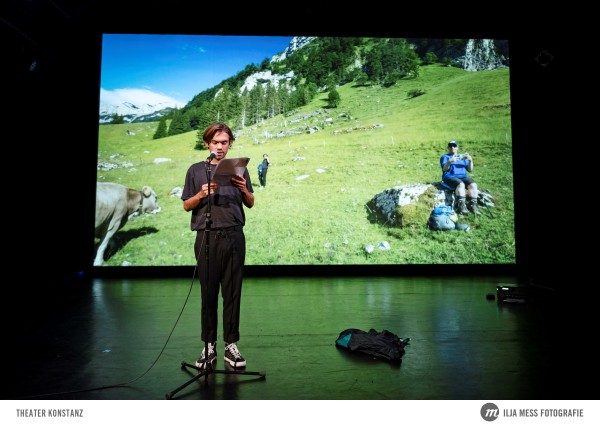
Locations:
(262, 177)
(223, 271)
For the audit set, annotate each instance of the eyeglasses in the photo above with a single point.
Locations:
(216, 142)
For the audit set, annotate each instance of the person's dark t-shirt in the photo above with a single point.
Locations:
(226, 204)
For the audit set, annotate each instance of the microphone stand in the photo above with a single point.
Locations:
(207, 368)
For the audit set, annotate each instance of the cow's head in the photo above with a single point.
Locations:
(150, 201)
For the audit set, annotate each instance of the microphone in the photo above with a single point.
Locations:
(212, 156)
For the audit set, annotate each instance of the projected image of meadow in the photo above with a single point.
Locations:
(342, 120)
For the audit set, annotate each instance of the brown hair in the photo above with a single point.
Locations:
(217, 127)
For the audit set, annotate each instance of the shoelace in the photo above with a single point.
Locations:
(234, 350)
(211, 350)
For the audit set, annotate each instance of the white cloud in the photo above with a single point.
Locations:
(140, 97)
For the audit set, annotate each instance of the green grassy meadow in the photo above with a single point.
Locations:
(376, 139)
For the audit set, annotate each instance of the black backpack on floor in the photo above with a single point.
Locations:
(382, 345)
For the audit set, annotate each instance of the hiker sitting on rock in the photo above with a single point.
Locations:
(454, 175)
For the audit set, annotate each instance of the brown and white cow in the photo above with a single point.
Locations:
(115, 203)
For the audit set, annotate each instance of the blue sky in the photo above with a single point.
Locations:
(179, 66)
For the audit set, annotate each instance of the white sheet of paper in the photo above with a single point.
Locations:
(229, 167)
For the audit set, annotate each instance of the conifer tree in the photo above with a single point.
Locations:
(179, 124)
(117, 119)
(161, 130)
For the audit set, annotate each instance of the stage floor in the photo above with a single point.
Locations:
(125, 339)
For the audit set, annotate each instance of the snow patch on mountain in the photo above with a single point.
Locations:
(133, 103)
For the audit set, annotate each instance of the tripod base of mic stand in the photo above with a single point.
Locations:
(206, 371)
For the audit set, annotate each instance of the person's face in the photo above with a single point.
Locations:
(452, 149)
(219, 144)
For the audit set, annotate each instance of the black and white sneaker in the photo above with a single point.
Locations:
(233, 356)
(212, 355)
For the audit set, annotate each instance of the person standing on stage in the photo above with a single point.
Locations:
(226, 246)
